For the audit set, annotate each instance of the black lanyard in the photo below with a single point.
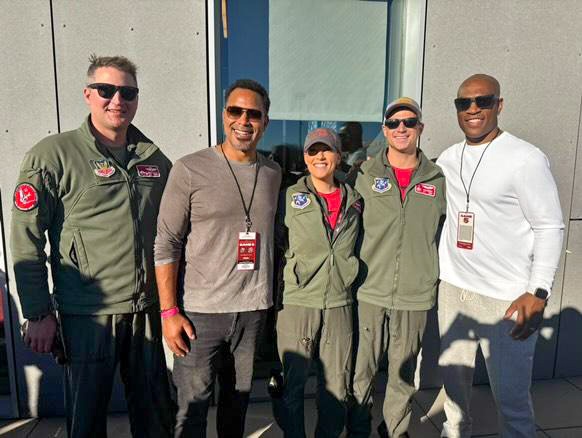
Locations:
(248, 221)
(468, 191)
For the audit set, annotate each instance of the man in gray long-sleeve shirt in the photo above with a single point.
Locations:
(218, 206)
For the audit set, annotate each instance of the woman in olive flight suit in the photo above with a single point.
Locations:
(319, 220)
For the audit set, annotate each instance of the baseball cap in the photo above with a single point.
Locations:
(323, 135)
(403, 102)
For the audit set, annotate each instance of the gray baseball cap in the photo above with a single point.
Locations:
(323, 135)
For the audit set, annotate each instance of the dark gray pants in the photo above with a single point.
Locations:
(95, 344)
(399, 332)
(225, 346)
(323, 338)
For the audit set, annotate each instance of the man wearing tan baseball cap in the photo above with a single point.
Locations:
(403, 194)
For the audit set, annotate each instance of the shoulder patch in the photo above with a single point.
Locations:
(103, 168)
(425, 189)
(148, 171)
(25, 197)
(300, 200)
(381, 185)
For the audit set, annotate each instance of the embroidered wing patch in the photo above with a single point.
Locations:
(103, 168)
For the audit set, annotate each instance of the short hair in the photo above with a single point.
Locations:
(249, 84)
(355, 130)
(482, 77)
(121, 63)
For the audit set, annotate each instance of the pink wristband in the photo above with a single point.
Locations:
(170, 312)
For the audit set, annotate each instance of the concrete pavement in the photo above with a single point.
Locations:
(558, 406)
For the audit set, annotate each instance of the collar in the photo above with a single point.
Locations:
(380, 167)
(305, 185)
(137, 143)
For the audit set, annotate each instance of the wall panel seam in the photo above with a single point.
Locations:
(55, 67)
(566, 241)
(576, 160)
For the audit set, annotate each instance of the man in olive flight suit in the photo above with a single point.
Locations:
(404, 200)
(95, 192)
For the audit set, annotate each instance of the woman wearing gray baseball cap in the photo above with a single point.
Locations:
(319, 221)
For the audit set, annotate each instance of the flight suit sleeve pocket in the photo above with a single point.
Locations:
(78, 255)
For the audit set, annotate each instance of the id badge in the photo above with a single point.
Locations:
(466, 230)
(247, 251)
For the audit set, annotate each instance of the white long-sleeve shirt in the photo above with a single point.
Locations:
(518, 220)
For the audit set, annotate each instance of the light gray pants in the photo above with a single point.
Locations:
(468, 320)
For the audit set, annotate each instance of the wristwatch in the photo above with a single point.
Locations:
(541, 293)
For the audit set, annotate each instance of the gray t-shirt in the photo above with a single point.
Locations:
(201, 209)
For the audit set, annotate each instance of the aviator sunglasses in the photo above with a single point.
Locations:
(483, 102)
(395, 123)
(107, 91)
(235, 112)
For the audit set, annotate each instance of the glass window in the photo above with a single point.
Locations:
(332, 63)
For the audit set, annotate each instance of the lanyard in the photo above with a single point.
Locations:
(468, 191)
(247, 210)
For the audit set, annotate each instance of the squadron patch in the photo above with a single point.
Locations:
(300, 200)
(425, 189)
(148, 171)
(25, 197)
(381, 185)
(103, 168)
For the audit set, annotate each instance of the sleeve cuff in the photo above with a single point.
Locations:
(164, 262)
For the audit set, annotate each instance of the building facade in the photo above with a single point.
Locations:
(324, 63)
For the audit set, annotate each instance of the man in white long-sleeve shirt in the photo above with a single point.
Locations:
(499, 252)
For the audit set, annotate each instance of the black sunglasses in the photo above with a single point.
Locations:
(316, 148)
(395, 123)
(483, 102)
(107, 91)
(235, 112)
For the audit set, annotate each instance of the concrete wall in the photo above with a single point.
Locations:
(533, 47)
(44, 46)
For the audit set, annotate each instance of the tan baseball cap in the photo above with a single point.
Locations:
(403, 102)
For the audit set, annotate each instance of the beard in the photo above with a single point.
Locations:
(243, 146)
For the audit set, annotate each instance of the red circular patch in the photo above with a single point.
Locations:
(25, 197)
